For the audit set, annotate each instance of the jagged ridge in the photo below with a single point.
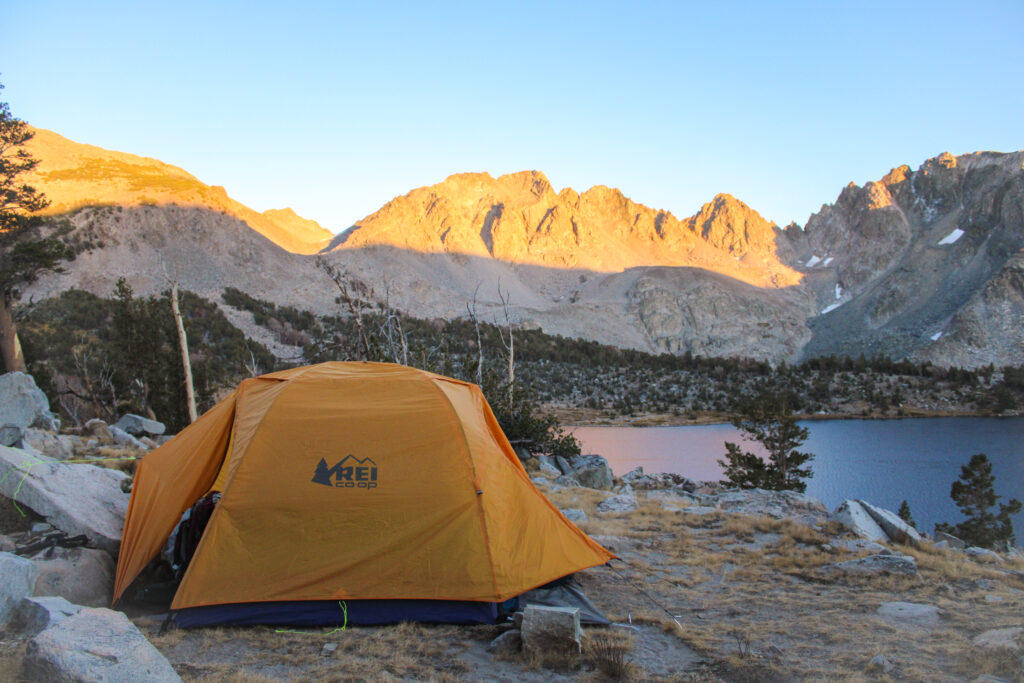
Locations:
(924, 263)
(921, 263)
(519, 218)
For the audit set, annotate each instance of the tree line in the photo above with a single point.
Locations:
(103, 357)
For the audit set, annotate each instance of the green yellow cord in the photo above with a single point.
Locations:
(344, 625)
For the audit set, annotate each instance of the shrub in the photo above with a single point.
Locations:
(974, 493)
(769, 421)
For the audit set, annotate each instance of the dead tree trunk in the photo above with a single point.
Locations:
(186, 363)
(510, 345)
(10, 348)
(471, 310)
(251, 366)
(391, 329)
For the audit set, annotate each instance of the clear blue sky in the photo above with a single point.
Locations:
(335, 108)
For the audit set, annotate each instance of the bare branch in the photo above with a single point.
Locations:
(471, 310)
(355, 307)
(510, 345)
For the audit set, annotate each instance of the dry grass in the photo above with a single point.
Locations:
(228, 673)
(168, 639)
(113, 458)
(677, 542)
(608, 652)
(751, 669)
(746, 528)
(1002, 662)
(954, 565)
(708, 520)
(748, 594)
(11, 654)
(833, 529)
(402, 652)
(743, 528)
(584, 499)
(561, 659)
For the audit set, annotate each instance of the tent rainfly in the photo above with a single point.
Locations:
(363, 493)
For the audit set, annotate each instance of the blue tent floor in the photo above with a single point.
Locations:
(338, 613)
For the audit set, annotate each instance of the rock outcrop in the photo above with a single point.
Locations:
(84, 576)
(17, 579)
(857, 519)
(591, 471)
(77, 499)
(895, 528)
(95, 644)
(23, 404)
(888, 563)
(913, 613)
(798, 507)
(551, 629)
(136, 425)
(38, 614)
(874, 523)
(623, 502)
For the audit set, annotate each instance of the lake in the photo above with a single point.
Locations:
(880, 461)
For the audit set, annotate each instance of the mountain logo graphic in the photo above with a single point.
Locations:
(350, 473)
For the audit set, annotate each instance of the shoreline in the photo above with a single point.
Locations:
(572, 418)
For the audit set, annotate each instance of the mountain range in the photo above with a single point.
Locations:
(925, 263)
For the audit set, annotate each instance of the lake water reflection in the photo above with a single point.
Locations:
(881, 461)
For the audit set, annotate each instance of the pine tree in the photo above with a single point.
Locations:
(974, 493)
(904, 514)
(24, 255)
(769, 421)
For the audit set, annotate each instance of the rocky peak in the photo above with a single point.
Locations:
(937, 183)
(729, 224)
(606, 200)
(849, 195)
(944, 160)
(876, 196)
(519, 188)
(532, 182)
(897, 175)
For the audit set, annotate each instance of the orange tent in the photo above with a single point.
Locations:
(342, 482)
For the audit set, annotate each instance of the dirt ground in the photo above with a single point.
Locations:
(695, 597)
